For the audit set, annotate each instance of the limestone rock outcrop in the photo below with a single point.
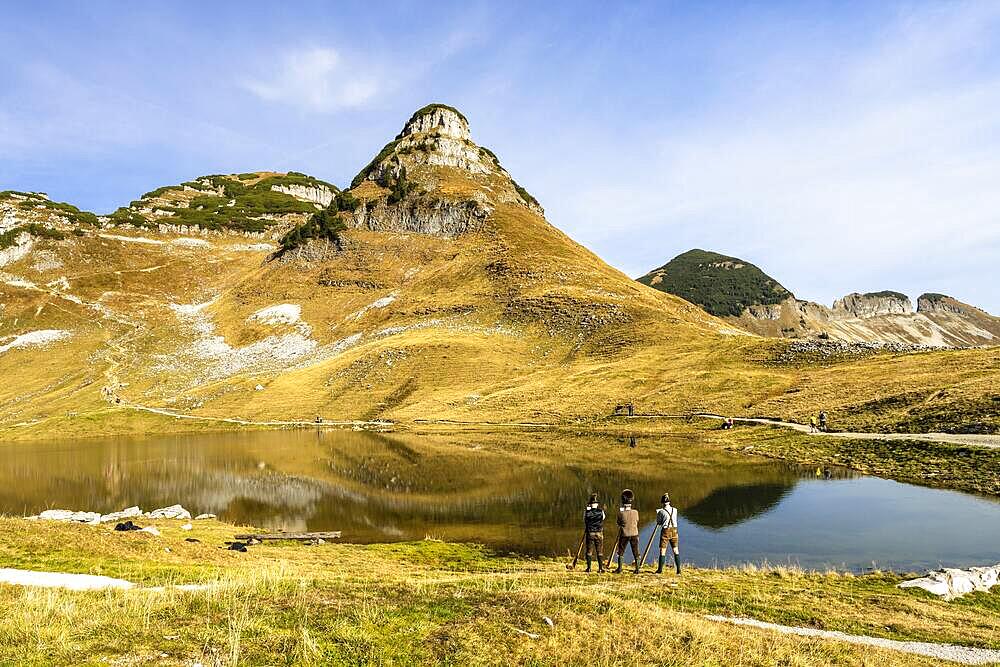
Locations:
(940, 303)
(424, 215)
(874, 304)
(436, 137)
(438, 118)
(83, 516)
(320, 194)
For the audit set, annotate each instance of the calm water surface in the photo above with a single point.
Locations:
(510, 492)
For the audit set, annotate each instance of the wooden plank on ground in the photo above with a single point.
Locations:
(332, 535)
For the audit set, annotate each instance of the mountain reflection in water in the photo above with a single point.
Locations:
(516, 491)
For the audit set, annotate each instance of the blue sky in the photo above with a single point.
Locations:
(840, 146)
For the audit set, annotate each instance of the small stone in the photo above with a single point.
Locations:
(202, 517)
(548, 621)
(187, 526)
(151, 530)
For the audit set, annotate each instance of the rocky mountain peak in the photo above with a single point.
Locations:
(873, 304)
(440, 118)
(932, 302)
(436, 136)
(410, 167)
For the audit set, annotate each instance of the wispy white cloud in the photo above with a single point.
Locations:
(52, 111)
(315, 79)
(881, 174)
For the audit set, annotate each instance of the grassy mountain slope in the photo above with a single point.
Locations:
(447, 296)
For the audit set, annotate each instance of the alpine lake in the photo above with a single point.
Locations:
(515, 491)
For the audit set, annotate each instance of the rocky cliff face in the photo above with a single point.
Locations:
(940, 304)
(433, 179)
(439, 136)
(438, 118)
(423, 215)
(319, 194)
(873, 304)
(884, 318)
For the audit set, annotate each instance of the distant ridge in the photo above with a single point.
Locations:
(740, 292)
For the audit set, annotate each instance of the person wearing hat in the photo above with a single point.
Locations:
(666, 521)
(628, 524)
(593, 524)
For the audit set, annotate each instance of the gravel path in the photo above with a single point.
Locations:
(969, 439)
(248, 422)
(950, 652)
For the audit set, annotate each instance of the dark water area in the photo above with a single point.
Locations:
(514, 492)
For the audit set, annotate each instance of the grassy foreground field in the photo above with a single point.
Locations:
(433, 602)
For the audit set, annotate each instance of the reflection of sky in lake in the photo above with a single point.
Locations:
(375, 488)
(855, 523)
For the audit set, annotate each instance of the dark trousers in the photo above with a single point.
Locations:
(595, 545)
(631, 541)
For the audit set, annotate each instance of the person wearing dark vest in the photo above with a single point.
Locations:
(666, 521)
(593, 524)
(628, 524)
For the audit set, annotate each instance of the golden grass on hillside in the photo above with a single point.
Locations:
(511, 322)
(432, 602)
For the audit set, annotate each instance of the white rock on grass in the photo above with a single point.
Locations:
(378, 303)
(283, 313)
(951, 583)
(201, 517)
(172, 512)
(128, 513)
(70, 515)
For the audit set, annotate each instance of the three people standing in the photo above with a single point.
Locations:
(628, 532)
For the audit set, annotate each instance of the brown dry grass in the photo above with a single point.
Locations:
(432, 602)
(514, 322)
